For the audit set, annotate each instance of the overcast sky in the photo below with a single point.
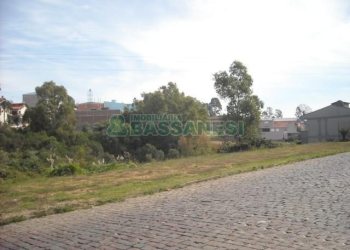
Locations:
(296, 51)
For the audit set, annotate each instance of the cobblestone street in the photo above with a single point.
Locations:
(305, 205)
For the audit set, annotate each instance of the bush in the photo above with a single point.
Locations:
(270, 144)
(3, 173)
(197, 145)
(146, 153)
(226, 147)
(186, 146)
(10, 139)
(30, 161)
(159, 155)
(173, 153)
(344, 133)
(96, 149)
(4, 157)
(229, 146)
(109, 158)
(65, 170)
(260, 142)
(247, 144)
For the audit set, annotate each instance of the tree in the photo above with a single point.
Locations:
(236, 86)
(54, 111)
(302, 110)
(278, 113)
(168, 99)
(268, 113)
(214, 107)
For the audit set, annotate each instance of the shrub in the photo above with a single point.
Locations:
(146, 153)
(173, 153)
(270, 144)
(229, 146)
(109, 158)
(159, 156)
(4, 156)
(96, 149)
(344, 132)
(197, 145)
(10, 139)
(39, 140)
(3, 173)
(29, 161)
(226, 147)
(186, 146)
(259, 142)
(65, 170)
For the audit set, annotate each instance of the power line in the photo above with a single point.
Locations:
(94, 56)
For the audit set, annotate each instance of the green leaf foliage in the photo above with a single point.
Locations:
(236, 87)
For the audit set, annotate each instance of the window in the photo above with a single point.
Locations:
(265, 129)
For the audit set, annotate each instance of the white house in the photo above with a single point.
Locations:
(278, 129)
(4, 113)
(17, 112)
(31, 99)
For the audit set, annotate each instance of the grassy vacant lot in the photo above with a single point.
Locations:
(39, 196)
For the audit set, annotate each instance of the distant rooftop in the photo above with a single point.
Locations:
(341, 104)
(16, 106)
(89, 106)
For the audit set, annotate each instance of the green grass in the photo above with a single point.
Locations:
(40, 196)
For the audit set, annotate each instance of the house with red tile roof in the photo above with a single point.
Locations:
(17, 112)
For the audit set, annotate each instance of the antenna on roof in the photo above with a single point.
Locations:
(89, 99)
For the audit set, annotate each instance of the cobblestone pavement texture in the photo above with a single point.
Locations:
(304, 205)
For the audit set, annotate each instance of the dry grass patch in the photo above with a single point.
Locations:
(39, 196)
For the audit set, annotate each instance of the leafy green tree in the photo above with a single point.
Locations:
(270, 113)
(302, 110)
(236, 86)
(214, 107)
(169, 99)
(278, 113)
(54, 111)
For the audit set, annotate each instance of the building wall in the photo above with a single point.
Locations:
(275, 135)
(3, 116)
(30, 99)
(278, 129)
(89, 117)
(323, 129)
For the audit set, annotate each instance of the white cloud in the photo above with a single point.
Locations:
(294, 49)
(279, 41)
